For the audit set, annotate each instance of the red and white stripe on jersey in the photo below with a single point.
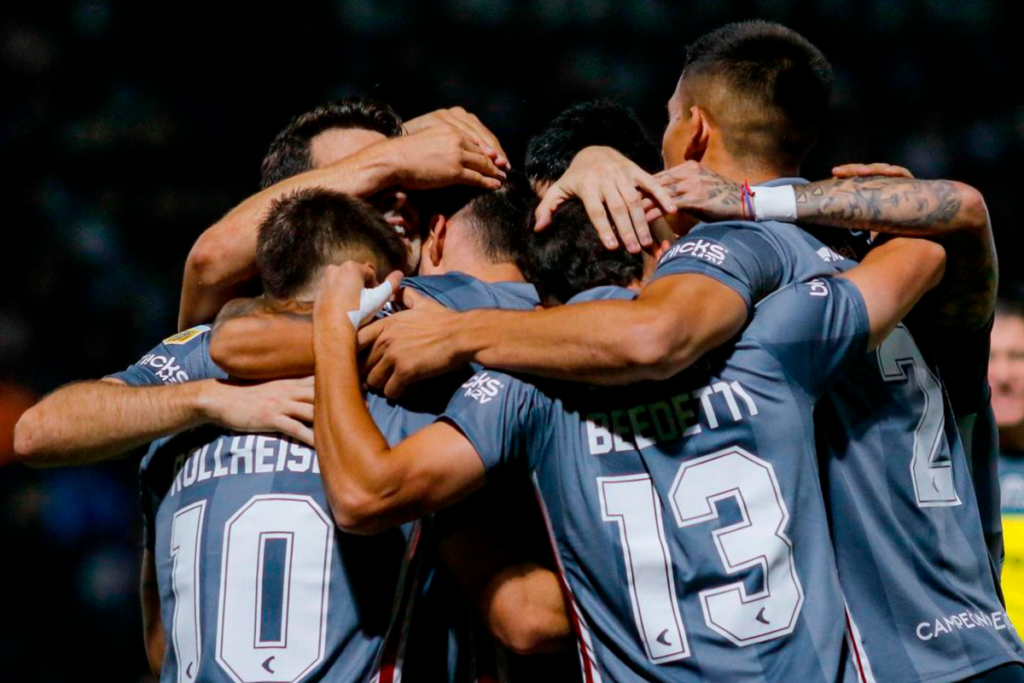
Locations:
(584, 641)
(389, 664)
(860, 657)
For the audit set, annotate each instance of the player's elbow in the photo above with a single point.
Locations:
(973, 210)
(206, 262)
(529, 631)
(358, 511)
(228, 349)
(29, 442)
(657, 351)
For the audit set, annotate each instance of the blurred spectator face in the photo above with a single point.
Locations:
(337, 143)
(1006, 370)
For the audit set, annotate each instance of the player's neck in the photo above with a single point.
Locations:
(752, 171)
(1011, 439)
(486, 271)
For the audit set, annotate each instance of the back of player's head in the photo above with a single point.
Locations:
(500, 221)
(763, 85)
(312, 228)
(601, 122)
(290, 152)
(568, 257)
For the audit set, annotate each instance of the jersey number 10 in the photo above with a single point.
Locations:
(274, 577)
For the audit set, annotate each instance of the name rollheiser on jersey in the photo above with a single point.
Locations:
(245, 454)
(646, 424)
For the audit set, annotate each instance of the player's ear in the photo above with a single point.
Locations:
(433, 247)
(700, 134)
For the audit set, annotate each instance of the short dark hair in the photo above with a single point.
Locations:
(502, 219)
(776, 88)
(568, 257)
(1010, 304)
(599, 122)
(289, 153)
(305, 230)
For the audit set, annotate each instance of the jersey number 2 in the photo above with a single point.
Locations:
(901, 362)
(274, 577)
(757, 540)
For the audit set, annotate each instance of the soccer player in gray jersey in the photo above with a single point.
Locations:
(470, 255)
(737, 264)
(687, 513)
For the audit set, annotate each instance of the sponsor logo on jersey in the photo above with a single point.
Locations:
(167, 368)
(708, 250)
(940, 626)
(481, 387)
(186, 336)
(829, 256)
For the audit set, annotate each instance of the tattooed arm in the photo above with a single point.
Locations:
(263, 339)
(946, 211)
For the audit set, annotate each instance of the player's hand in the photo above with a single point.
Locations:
(858, 170)
(608, 184)
(340, 291)
(700, 192)
(439, 156)
(409, 346)
(284, 405)
(468, 124)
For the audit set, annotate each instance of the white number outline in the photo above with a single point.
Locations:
(739, 588)
(654, 561)
(219, 653)
(179, 628)
(616, 514)
(899, 358)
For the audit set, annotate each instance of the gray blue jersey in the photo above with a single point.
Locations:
(909, 542)
(687, 514)
(256, 581)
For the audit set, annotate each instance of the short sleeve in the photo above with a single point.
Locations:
(183, 357)
(499, 414)
(815, 330)
(742, 256)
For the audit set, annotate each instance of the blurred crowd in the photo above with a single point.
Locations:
(128, 128)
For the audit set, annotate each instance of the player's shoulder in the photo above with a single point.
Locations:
(1011, 483)
(790, 311)
(461, 292)
(182, 357)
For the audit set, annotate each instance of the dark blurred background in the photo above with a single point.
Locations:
(126, 128)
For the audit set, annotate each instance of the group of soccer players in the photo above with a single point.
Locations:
(692, 451)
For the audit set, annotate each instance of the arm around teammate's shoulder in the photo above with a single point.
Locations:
(892, 279)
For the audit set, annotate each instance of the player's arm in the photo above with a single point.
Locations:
(674, 322)
(263, 339)
(223, 259)
(892, 278)
(370, 486)
(91, 421)
(947, 211)
(519, 600)
(152, 623)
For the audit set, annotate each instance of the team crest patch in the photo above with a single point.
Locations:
(186, 336)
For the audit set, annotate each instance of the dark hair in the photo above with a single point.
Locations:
(600, 122)
(502, 219)
(777, 88)
(305, 230)
(289, 153)
(568, 257)
(1011, 305)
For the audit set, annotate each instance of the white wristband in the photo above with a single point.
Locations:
(775, 204)
(370, 301)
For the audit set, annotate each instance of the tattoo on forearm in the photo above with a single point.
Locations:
(869, 202)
